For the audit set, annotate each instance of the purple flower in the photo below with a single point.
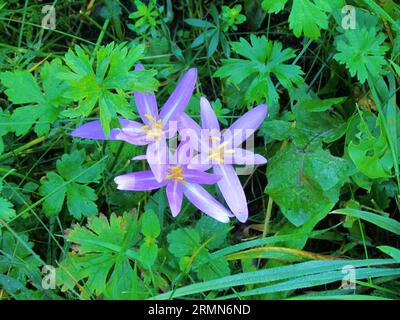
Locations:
(156, 127)
(221, 150)
(179, 181)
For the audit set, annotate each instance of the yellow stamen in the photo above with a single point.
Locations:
(154, 129)
(215, 138)
(151, 118)
(175, 173)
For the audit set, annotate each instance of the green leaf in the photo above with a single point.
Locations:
(295, 272)
(264, 59)
(317, 105)
(106, 84)
(368, 148)
(183, 242)
(7, 212)
(363, 52)
(305, 182)
(308, 17)
(41, 107)
(213, 269)
(53, 189)
(71, 184)
(273, 6)
(378, 220)
(71, 166)
(148, 253)
(212, 232)
(199, 23)
(150, 225)
(393, 252)
(100, 246)
(80, 200)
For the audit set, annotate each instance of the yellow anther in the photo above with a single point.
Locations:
(215, 138)
(175, 173)
(154, 129)
(222, 145)
(151, 118)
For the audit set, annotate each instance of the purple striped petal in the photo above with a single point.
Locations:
(245, 126)
(179, 99)
(209, 119)
(146, 103)
(130, 132)
(232, 190)
(175, 196)
(138, 181)
(206, 203)
(199, 177)
(156, 155)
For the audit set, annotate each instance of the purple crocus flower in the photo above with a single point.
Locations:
(156, 127)
(221, 150)
(179, 181)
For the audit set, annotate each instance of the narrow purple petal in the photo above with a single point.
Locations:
(191, 132)
(200, 162)
(140, 157)
(232, 190)
(179, 99)
(245, 126)
(199, 177)
(130, 132)
(246, 157)
(146, 103)
(175, 196)
(205, 202)
(209, 119)
(156, 155)
(138, 181)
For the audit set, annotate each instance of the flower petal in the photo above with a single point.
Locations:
(138, 181)
(245, 126)
(209, 119)
(191, 132)
(156, 155)
(140, 157)
(179, 99)
(199, 177)
(232, 191)
(146, 103)
(205, 202)
(200, 162)
(245, 157)
(130, 132)
(175, 196)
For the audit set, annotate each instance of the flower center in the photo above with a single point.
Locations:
(154, 129)
(175, 173)
(218, 152)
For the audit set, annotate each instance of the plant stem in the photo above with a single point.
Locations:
(267, 216)
(23, 148)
